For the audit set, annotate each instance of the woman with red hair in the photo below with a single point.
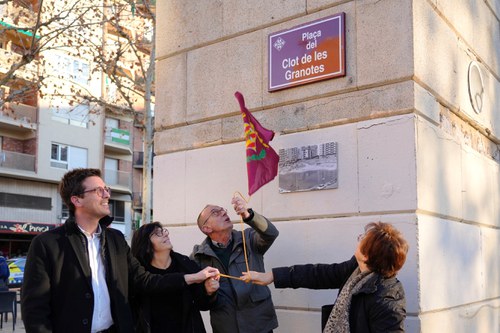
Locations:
(370, 298)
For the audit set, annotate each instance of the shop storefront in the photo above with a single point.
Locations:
(15, 237)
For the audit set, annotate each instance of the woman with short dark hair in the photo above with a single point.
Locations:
(175, 311)
(370, 298)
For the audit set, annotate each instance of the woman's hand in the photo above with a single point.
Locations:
(259, 278)
(211, 285)
(206, 273)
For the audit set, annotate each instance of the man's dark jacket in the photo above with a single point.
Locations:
(378, 307)
(57, 291)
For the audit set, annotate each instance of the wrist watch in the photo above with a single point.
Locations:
(250, 217)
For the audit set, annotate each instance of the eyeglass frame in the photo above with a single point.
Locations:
(99, 190)
(156, 232)
(216, 212)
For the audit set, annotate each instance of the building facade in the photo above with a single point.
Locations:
(417, 123)
(45, 134)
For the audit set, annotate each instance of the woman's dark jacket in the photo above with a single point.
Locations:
(57, 293)
(379, 307)
(194, 299)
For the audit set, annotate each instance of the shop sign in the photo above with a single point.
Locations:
(26, 228)
(307, 53)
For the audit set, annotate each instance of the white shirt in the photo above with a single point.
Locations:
(101, 317)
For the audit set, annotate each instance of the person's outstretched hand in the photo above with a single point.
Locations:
(211, 285)
(240, 206)
(259, 278)
(206, 273)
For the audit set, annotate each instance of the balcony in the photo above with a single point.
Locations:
(17, 161)
(120, 181)
(28, 73)
(21, 11)
(19, 124)
(117, 141)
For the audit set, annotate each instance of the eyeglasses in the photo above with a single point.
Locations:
(160, 232)
(99, 190)
(215, 212)
(360, 237)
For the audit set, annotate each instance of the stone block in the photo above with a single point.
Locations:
(169, 190)
(478, 188)
(378, 100)
(439, 171)
(186, 24)
(387, 164)
(329, 111)
(171, 92)
(298, 321)
(426, 103)
(446, 71)
(213, 175)
(384, 50)
(447, 250)
(490, 252)
(315, 5)
(486, 34)
(476, 24)
(188, 137)
(439, 71)
(194, 178)
(461, 15)
(216, 72)
(239, 16)
(488, 116)
(495, 7)
(183, 238)
(476, 317)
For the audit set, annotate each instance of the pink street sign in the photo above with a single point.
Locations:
(307, 53)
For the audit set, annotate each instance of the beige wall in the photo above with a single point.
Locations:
(37, 189)
(411, 149)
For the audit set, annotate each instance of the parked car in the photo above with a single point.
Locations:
(16, 268)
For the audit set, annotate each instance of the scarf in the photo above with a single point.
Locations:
(338, 321)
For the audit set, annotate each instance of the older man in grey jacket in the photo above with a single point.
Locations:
(241, 307)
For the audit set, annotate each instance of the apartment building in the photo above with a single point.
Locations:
(45, 134)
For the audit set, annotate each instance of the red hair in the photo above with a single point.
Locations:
(385, 248)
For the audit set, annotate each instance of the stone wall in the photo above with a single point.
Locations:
(412, 151)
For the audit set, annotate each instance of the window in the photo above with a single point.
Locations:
(25, 201)
(59, 156)
(67, 157)
(73, 69)
(72, 115)
(64, 211)
(117, 209)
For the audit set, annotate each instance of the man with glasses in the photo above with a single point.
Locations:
(77, 276)
(240, 307)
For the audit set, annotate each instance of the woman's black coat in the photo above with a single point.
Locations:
(194, 299)
(379, 307)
